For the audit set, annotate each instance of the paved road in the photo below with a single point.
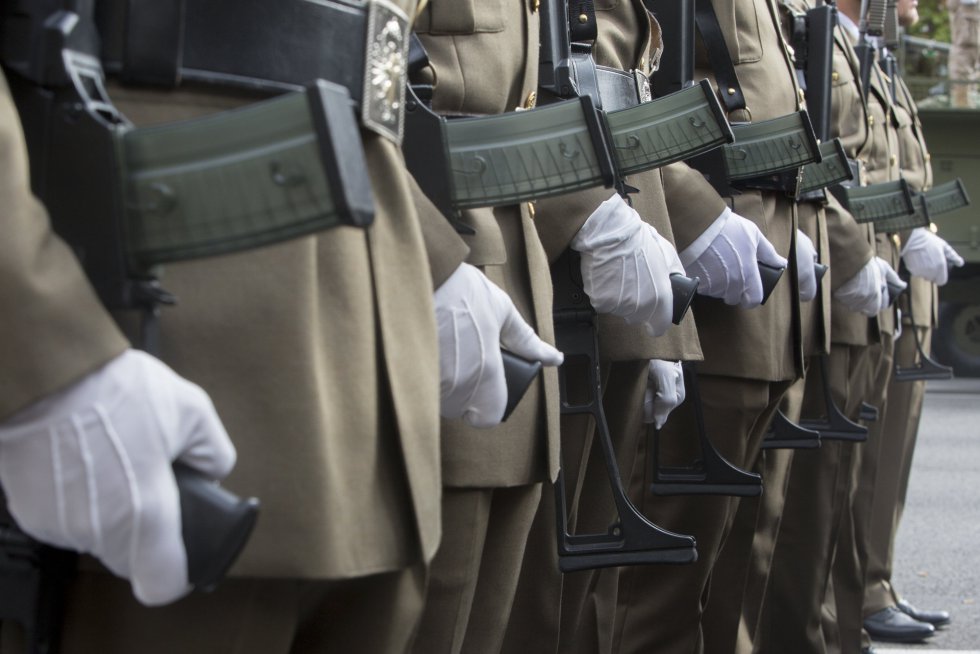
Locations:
(937, 557)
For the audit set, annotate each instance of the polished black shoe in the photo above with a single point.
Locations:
(891, 625)
(935, 618)
(869, 650)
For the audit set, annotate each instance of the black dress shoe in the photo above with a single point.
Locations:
(893, 626)
(935, 618)
(869, 650)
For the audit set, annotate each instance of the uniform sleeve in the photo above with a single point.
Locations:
(558, 219)
(53, 329)
(693, 204)
(849, 247)
(443, 246)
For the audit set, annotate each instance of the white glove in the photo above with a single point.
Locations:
(928, 256)
(474, 318)
(89, 468)
(867, 291)
(665, 391)
(806, 257)
(726, 258)
(626, 266)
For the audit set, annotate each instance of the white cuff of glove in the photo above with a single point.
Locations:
(89, 469)
(665, 391)
(475, 318)
(806, 257)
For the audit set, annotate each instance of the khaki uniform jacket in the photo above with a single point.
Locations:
(761, 343)
(629, 39)
(319, 353)
(484, 60)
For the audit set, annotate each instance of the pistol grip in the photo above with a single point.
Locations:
(216, 524)
(894, 292)
(819, 270)
(518, 373)
(684, 289)
(770, 277)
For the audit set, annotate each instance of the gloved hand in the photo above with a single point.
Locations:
(891, 277)
(626, 266)
(665, 391)
(928, 256)
(474, 318)
(726, 258)
(806, 256)
(867, 291)
(89, 468)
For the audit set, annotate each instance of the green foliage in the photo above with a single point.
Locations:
(933, 21)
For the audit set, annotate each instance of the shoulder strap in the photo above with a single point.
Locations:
(721, 61)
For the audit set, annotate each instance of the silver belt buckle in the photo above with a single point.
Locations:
(643, 91)
(385, 70)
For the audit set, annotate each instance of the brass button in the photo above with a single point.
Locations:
(532, 100)
(582, 18)
(871, 121)
(897, 241)
(643, 63)
(535, 5)
(835, 76)
(802, 96)
(530, 209)
(893, 159)
(928, 157)
(731, 91)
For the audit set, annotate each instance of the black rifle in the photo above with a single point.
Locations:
(813, 45)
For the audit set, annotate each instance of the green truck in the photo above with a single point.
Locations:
(953, 137)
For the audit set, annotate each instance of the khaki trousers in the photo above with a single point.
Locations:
(367, 615)
(900, 428)
(733, 613)
(851, 560)
(659, 608)
(474, 575)
(818, 488)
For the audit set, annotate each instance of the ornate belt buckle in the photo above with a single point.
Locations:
(385, 70)
(643, 91)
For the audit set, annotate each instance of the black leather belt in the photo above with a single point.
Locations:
(620, 89)
(266, 45)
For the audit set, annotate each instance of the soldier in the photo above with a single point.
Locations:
(485, 61)
(329, 391)
(751, 357)
(927, 258)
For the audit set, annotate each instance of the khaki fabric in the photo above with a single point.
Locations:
(376, 614)
(474, 578)
(53, 331)
(349, 350)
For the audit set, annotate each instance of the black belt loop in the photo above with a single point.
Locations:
(721, 60)
(153, 48)
(582, 30)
